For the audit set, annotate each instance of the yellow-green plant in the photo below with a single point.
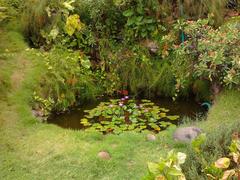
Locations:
(209, 54)
(168, 168)
(73, 24)
(67, 80)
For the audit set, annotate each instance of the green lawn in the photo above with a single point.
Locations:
(33, 150)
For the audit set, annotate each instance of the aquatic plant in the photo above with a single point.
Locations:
(120, 115)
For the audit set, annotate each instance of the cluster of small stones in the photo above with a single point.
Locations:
(185, 134)
(104, 155)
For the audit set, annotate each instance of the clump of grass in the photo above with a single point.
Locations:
(34, 19)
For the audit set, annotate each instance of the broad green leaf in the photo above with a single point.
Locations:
(162, 115)
(173, 118)
(131, 21)
(128, 13)
(197, 142)
(175, 172)
(68, 5)
(160, 177)
(153, 168)
(73, 24)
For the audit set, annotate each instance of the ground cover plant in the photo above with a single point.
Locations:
(55, 55)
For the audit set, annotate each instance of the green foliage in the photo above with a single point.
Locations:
(35, 18)
(44, 105)
(3, 14)
(167, 168)
(197, 143)
(205, 150)
(138, 23)
(202, 90)
(223, 164)
(198, 9)
(139, 72)
(68, 78)
(120, 115)
(104, 17)
(73, 24)
(10, 9)
(212, 53)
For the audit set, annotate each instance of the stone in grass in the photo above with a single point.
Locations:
(37, 113)
(104, 155)
(151, 137)
(186, 134)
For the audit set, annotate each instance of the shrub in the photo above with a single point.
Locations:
(68, 80)
(141, 73)
(212, 54)
(35, 18)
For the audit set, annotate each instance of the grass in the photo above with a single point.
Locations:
(33, 150)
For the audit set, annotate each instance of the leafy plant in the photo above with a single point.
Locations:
(3, 14)
(68, 79)
(123, 115)
(44, 105)
(212, 54)
(73, 24)
(138, 24)
(167, 168)
(223, 164)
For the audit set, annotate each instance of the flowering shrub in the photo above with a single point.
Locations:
(213, 53)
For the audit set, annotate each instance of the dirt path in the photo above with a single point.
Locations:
(19, 73)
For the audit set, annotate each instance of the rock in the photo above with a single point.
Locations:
(186, 134)
(37, 113)
(151, 137)
(151, 45)
(104, 155)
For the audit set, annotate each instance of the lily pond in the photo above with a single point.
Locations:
(118, 115)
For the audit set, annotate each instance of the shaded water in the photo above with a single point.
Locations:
(71, 119)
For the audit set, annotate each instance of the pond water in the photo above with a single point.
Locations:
(182, 108)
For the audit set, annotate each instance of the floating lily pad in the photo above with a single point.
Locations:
(119, 115)
(173, 118)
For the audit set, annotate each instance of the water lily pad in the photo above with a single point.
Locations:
(164, 124)
(173, 118)
(115, 116)
(162, 115)
(105, 122)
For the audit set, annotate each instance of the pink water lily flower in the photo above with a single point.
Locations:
(120, 104)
